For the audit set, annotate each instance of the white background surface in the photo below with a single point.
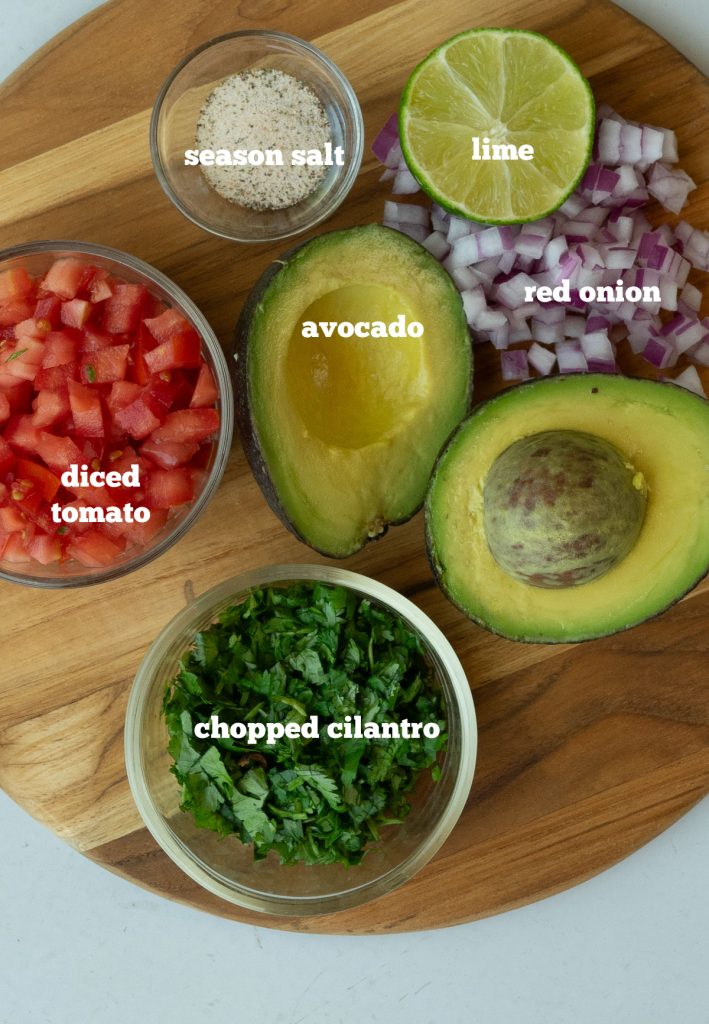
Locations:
(80, 946)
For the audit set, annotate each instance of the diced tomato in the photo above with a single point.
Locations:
(49, 308)
(143, 533)
(101, 287)
(15, 550)
(105, 366)
(160, 396)
(75, 312)
(205, 392)
(64, 277)
(188, 425)
(137, 419)
(45, 549)
(122, 393)
(144, 343)
(14, 282)
(94, 340)
(13, 311)
(18, 394)
(7, 456)
(166, 488)
(77, 527)
(163, 327)
(50, 407)
(43, 479)
(124, 309)
(93, 549)
(4, 407)
(57, 452)
(86, 410)
(180, 350)
(55, 378)
(59, 349)
(128, 457)
(11, 519)
(168, 454)
(20, 432)
(32, 328)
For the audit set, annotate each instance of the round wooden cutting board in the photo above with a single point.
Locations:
(586, 752)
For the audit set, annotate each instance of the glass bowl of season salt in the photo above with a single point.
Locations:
(256, 136)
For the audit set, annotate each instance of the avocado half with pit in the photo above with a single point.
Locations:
(342, 432)
(571, 508)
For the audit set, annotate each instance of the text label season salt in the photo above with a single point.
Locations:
(260, 111)
(332, 156)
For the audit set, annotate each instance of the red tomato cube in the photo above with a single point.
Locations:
(92, 340)
(122, 393)
(188, 425)
(166, 488)
(50, 407)
(13, 311)
(101, 287)
(93, 549)
(43, 480)
(168, 454)
(123, 311)
(181, 350)
(11, 519)
(14, 283)
(59, 349)
(205, 392)
(45, 549)
(4, 407)
(106, 365)
(136, 419)
(163, 327)
(20, 432)
(85, 410)
(49, 308)
(75, 313)
(7, 456)
(15, 550)
(64, 277)
(55, 378)
(57, 452)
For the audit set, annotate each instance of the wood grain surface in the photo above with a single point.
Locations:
(585, 752)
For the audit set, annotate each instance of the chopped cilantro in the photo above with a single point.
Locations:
(16, 354)
(282, 655)
(90, 373)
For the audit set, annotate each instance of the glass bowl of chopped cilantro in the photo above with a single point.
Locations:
(256, 136)
(300, 740)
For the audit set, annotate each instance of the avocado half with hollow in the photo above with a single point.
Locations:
(342, 432)
(571, 508)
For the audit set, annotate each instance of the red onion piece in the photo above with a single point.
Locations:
(515, 365)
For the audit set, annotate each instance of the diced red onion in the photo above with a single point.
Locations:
(416, 231)
(542, 359)
(570, 357)
(405, 213)
(659, 352)
(405, 184)
(515, 365)
(599, 353)
(436, 244)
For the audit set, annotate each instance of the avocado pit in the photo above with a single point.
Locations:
(561, 508)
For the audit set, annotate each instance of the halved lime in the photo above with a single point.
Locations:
(510, 87)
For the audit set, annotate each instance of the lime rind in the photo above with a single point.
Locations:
(561, 173)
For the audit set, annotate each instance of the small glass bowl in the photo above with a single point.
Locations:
(226, 867)
(174, 121)
(36, 258)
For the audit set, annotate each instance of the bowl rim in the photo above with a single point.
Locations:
(332, 69)
(179, 852)
(184, 303)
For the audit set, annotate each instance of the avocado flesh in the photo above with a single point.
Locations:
(345, 431)
(663, 431)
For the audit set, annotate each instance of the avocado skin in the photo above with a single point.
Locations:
(238, 364)
(248, 433)
(438, 571)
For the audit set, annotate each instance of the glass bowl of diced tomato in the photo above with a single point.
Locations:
(116, 413)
